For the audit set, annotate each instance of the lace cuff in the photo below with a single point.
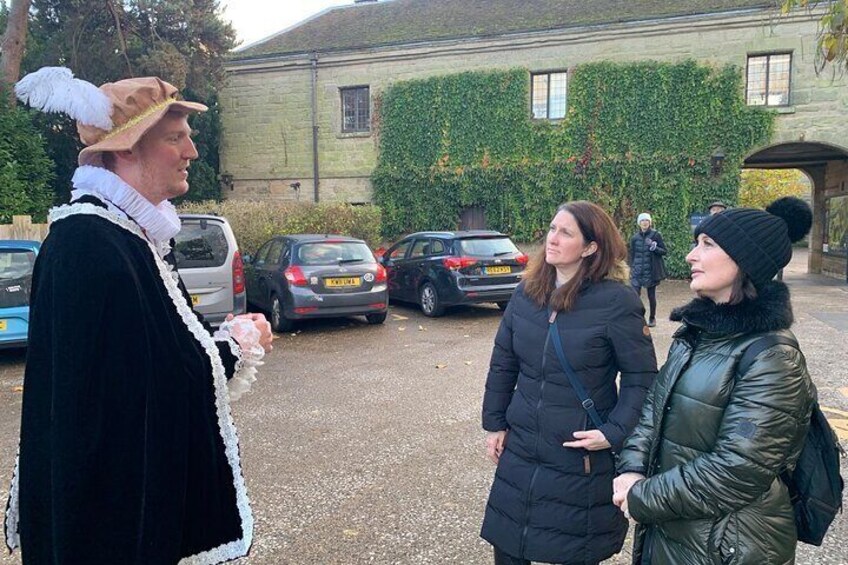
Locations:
(243, 338)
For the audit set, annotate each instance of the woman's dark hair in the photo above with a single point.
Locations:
(743, 289)
(606, 262)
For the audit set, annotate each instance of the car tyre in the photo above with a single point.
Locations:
(279, 322)
(431, 304)
(375, 319)
(503, 305)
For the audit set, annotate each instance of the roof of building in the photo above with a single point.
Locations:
(395, 22)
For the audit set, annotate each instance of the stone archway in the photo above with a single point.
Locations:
(827, 166)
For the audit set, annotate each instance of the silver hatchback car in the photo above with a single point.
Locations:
(211, 267)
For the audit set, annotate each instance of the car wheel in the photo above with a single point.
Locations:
(431, 305)
(375, 319)
(503, 305)
(279, 322)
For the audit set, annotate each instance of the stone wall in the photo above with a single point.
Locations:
(835, 184)
(266, 105)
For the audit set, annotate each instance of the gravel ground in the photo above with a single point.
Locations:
(362, 444)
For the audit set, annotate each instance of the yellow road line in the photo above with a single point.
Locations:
(840, 426)
(833, 411)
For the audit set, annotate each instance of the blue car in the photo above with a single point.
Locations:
(17, 259)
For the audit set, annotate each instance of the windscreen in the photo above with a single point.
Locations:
(15, 276)
(200, 245)
(333, 253)
(486, 247)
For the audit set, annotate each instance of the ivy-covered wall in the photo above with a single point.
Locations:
(636, 137)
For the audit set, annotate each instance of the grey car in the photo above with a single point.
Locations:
(296, 277)
(211, 267)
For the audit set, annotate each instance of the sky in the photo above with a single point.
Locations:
(257, 19)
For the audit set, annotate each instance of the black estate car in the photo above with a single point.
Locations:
(301, 276)
(441, 269)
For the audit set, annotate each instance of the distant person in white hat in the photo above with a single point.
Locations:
(128, 452)
(647, 265)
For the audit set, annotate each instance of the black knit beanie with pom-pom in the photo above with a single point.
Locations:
(760, 242)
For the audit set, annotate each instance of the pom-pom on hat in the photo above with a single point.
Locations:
(113, 117)
(760, 242)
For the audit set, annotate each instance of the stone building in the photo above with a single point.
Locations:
(297, 106)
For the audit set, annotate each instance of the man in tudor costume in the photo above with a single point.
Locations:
(128, 453)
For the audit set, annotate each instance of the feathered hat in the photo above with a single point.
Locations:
(110, 118)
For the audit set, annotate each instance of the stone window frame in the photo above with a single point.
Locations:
(768, 68)
(548, 74)
(362, 126)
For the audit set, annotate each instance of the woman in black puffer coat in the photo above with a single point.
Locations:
(647, 264)
(551, 496)
(701, 472)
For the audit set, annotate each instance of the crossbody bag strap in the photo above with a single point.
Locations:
(585, 400)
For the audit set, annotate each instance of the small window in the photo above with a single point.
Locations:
(262, 254)
(768, 79)
(420, 249)
(275, 252)
(356, 109)
(400, 250)
(548, 93)
(437, 247)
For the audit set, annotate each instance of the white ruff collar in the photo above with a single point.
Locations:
(160, 223)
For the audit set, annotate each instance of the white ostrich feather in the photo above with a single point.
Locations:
(54, 89)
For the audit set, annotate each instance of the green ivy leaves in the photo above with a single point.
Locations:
(636, 137)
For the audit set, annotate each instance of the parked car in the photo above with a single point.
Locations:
(441, 269)
(295, 277)
(17, 259)
(211, 267)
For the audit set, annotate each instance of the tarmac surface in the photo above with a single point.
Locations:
(362, 444)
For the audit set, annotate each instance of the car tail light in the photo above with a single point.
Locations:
(295, 276)
(238, 274)
(454, 263)
(381, 274)
(522, 259)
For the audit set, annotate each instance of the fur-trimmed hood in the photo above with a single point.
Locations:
(770, 311)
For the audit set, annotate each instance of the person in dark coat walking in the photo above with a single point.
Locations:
(550, 499)
(701, 472)
(647, 265)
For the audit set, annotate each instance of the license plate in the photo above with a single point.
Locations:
(342, 282)
(195, 300)
(498, 270)
(2, 325)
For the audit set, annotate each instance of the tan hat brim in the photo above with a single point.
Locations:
(126, 139)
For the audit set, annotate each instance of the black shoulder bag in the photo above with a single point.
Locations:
(815, 485)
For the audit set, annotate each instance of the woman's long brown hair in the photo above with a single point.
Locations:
(608, 262)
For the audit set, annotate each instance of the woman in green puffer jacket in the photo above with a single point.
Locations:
(700, 473)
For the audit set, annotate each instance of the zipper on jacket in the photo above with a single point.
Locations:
(535, 447)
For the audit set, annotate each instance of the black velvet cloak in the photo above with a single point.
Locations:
(128, 452)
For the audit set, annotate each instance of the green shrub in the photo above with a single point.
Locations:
(25, 168)
(256, 222)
